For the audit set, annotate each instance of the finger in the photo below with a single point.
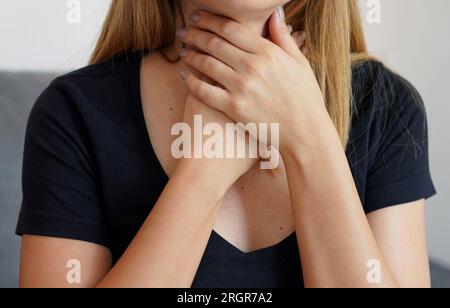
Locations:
(213, 45)
(228, 29)
(304, 50)
(212, 96)
(209, 66)
(290, 29)
(299, 38)
(280, 35)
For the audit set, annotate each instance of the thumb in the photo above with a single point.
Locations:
(280, 34)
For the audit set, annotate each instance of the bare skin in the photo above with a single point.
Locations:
(260, 215)
(251, 208)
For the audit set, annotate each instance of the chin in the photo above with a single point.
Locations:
(237, 6)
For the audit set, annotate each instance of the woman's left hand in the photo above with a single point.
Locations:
(258, 81)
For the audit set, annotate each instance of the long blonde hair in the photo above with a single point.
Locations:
(335, 41)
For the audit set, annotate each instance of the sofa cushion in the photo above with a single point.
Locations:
(18, 91)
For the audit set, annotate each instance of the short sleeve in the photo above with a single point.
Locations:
(60, 191)
(398, 170)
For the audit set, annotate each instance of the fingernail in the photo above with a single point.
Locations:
(195, 17)
(184, 75)
(290, 29)
(182, 32)
(302, 35)
(183, 52)
(280, 14)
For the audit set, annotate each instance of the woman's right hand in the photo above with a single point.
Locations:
(223, 172)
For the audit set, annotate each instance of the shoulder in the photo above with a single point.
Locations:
(388, 116)
(100, 71)
(376, 88)
(89, 93)
(386, 107)
(98, 81)
(388, 148)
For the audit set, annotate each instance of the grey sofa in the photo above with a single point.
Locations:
(18, 91)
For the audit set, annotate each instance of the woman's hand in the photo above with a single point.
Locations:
(220, 172)
(260, 81)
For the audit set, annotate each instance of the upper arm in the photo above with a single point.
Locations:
(49, 263)
(400, 234)
(398, 178)
(391, 138)
(61, 212)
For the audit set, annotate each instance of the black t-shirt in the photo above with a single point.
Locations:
(90, 172)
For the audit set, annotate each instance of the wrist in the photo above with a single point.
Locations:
(310, 131)
(306, 148)
(207, 180)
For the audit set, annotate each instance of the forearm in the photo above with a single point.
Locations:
(168, 249)
(334, 236)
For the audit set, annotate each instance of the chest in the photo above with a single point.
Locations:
(256, 211)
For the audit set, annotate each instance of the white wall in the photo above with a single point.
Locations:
(412, 38)
(35, 35)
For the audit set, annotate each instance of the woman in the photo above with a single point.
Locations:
(101, 185)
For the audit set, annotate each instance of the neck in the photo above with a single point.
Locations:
(255, 21)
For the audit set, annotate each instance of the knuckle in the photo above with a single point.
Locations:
(270, 53)
(229, 27)
(271, 58)
(265, 46)
(213, 43)
(201, 90)
(248, 65)
(235, 106)
(207, 62)
(243, 85)
(191, 57)
(260, 45)
(254, 65)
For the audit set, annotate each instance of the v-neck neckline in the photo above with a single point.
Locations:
(136, 97)
(273, 253)
(216, 241)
